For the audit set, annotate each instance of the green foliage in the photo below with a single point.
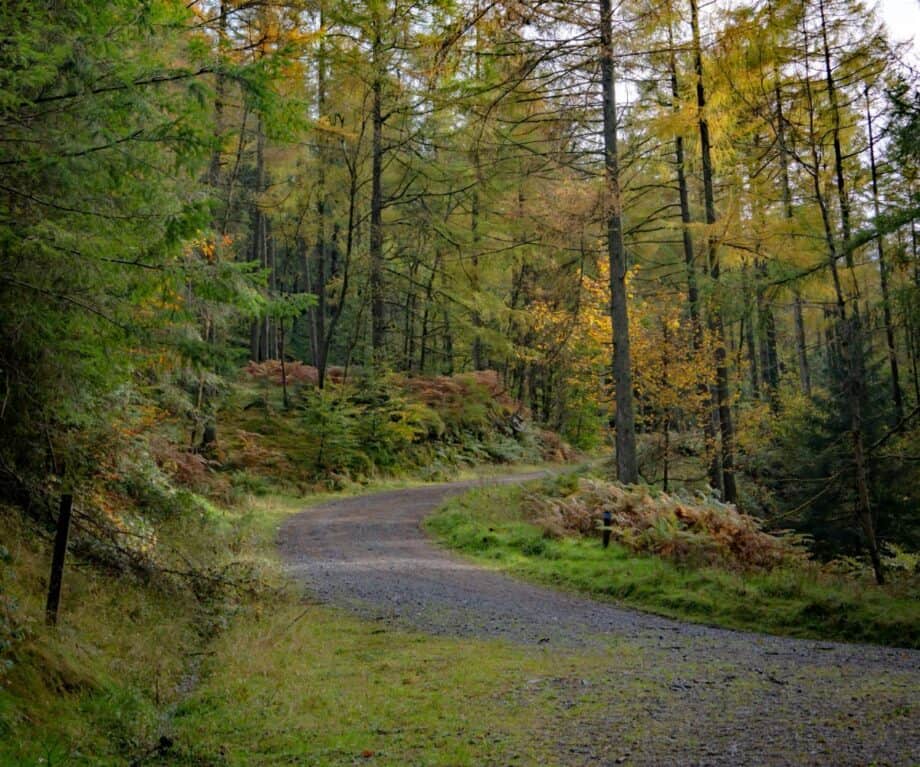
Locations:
(288, 305)
(492, 525)
(330, 425)
(92, 686)
(96, 206)
(905, 103)
(802, 458)
(388, 425)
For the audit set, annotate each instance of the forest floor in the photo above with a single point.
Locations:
(580, 681)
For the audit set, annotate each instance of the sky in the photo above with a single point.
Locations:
(902, 17)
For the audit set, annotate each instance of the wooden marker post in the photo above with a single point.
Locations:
(57, 561)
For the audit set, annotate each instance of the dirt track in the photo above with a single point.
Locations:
(673, 693)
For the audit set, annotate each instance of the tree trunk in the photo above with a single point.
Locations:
(627, 468)
(56, 578)
(448, 346)
(800, 345)
(477, 350)
(284, 388)
(315, 338)
(378, 318)
(722, 395)
(318, 312)
(847, 341)
(258, 335)
(220, 91)
(798, 318)
(714, 464)
(749, 337)
(769, 363)
(842, 197)
(429, 289)
(896, 394)
(345, 269)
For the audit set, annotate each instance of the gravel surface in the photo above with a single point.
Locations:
(665, 693)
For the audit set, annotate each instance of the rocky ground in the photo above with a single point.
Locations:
(666, 693)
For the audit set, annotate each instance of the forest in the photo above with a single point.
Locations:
(259, 250)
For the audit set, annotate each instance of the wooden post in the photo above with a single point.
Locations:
(284, 394)
(57, 562)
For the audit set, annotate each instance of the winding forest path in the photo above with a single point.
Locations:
(669, 693)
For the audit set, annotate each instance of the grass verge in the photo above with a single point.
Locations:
(489, 525)
(139, 674)
(294, 682)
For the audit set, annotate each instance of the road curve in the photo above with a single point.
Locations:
(739, 698)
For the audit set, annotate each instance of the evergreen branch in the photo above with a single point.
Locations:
(66, 299)
(140, 82)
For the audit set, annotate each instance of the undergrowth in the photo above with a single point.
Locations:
(363, 428)
(171, 536)
(500, 526)
(99, 688)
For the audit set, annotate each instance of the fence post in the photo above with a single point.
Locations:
(57, 561)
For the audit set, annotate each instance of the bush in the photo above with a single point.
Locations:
(700, 532)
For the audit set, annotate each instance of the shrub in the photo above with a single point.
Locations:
(701, 532)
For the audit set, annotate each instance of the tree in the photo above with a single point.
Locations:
(627, 469)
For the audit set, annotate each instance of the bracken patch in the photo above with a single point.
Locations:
(703, 532)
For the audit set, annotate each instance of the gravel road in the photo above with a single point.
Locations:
(668, 693)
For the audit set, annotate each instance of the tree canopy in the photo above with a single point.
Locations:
(688, 233)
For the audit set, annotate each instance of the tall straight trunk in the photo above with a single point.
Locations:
(220, 92)
(474, 266)
(627, 466)
(318, 312)
(848, 339)
(842, 196)
(339, 306)
(477, 350)
(284, 388)
(258, 335)
(714, 464)
(726, 427)
(914, 349)
(766, 321)
(915, 252)
(912, 334)
(914, 345)
(315, 338)
(448, 345)
(666, 419)
(801, 347)
(429, 292)
(409, 318)
(378, 319)
(896, 394)
(749, 338)
(271, 327)
(769, 362)
(230, 182)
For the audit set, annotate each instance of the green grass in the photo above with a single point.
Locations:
(91, 691)
(293, 682)
(311, 685)
(113, 678)
(268, 679)
(489, 526)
